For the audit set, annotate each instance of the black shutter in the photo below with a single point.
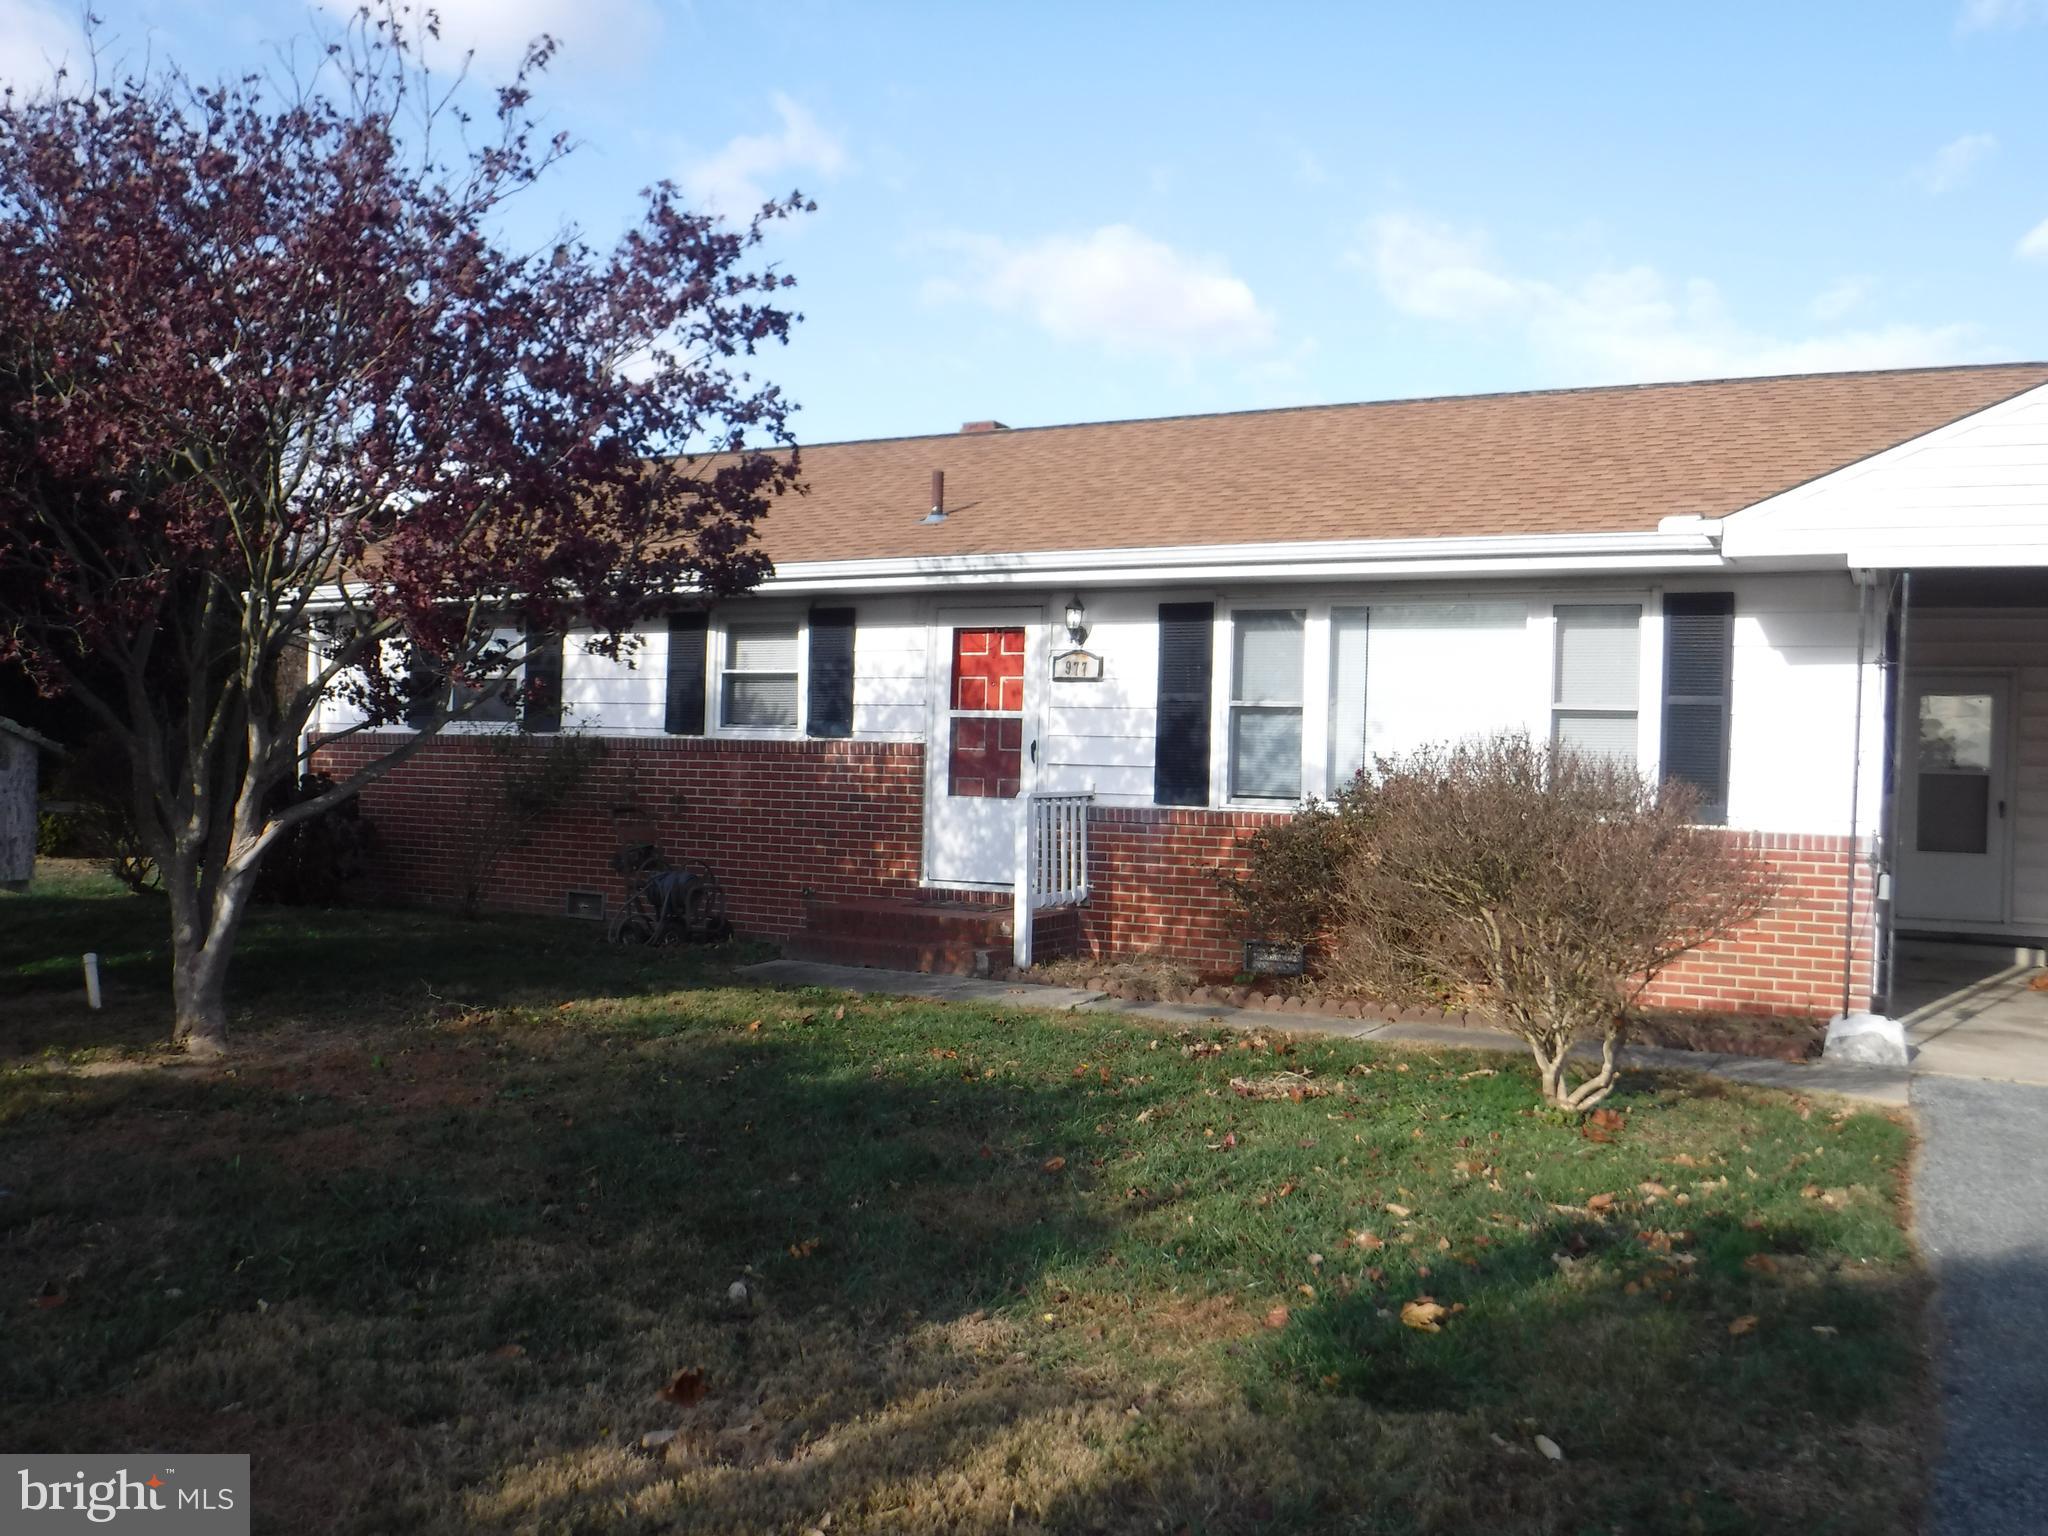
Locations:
(426, 688)
(1699, 667)
(1180, 763)
(542, 709)
(686, 642)
(831, 688)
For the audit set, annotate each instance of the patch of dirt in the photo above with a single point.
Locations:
(1142, 978)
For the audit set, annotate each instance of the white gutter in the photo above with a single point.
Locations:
(1678, 544)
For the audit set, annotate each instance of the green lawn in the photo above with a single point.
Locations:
(470, 1194)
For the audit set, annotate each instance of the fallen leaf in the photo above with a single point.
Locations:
(1551, 1450)
(804, 1249)
(1054, 1164)
(1277, 1318)
(1600, 1203)
(1400, 1211)
(1743, 1324)
(943, 1053)
(1369, 1241)
(1601, 1125)
(1652, 1188)
(685, 1388)
(1424, 1314)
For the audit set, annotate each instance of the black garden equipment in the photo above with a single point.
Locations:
(666, 903)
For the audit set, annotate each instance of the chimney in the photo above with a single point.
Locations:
(938, 511)
(968, 428)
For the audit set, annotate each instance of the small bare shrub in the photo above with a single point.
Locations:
(1292, 878)
(1542, 890)
(522, 783)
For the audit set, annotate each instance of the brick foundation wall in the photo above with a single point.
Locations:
(771, 818)
(1788, 963)
(774, 819)
(1152, 891)
(1151, 886)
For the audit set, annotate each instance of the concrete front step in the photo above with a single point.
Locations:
(957, 956)
(982, 924)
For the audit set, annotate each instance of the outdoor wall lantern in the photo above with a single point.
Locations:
(1077, 619)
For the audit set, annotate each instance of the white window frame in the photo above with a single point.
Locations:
(717, 671)
(1534, 686)
(1649, 707)
(1228, 703)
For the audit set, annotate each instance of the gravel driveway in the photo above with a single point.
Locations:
(1981, 1208)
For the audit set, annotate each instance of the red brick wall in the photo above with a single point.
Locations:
(840, 818)
(1151, 890)
(771, 818)
(1151, 886)
(1790, 961)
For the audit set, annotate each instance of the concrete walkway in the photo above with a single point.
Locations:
(1875, 1085)
(1971, 1011)
(1981, 1216)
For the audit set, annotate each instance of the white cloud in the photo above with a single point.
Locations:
(2033, 244)
(1950, 166)
(1625, 325)
(1113, 286)
(601, 34)
(1991, 15)
(36, 36)
(1841, 296)
(736, 180)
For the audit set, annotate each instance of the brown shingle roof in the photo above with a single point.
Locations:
(1563, 461)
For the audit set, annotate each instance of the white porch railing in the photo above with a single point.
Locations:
(1052, 859)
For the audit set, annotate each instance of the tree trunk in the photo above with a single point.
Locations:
(202, 942)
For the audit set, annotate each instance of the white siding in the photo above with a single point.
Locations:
(1099, 735)
(2015, 640)
(627, 696)
(1972, 493)
(889, 694)
(1792, 746)
(1792, 729)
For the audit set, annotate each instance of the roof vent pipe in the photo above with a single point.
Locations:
(938, 511)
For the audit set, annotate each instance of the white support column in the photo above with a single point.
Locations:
(1021, 923)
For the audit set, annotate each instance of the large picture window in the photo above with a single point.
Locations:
(1265, 704)
(1411, 675)
(1597, 679)
(757, 684)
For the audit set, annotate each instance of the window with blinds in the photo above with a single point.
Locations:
(1265, 704)
(1699, 671)
(1597, 678)
(1410, 675)
(758, 680)
(1180, 769)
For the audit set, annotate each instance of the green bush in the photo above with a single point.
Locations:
(56, 835)
(308, 865)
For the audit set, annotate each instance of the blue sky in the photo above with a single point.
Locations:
(1047, 213)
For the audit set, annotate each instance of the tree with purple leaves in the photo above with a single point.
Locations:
(287, 415)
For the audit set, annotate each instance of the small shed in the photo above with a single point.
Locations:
(19, 749)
